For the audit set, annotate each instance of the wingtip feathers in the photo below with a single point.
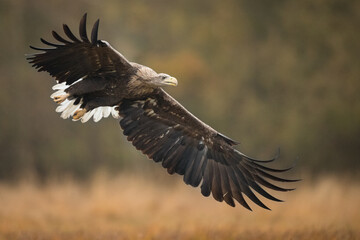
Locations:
(82, 29)
(94, 32)
(71, 36)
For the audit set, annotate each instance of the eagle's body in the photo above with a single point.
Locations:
(94, 80)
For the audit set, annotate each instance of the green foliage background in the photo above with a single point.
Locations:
(269, 74)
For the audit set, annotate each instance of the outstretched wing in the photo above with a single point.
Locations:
(75, 58)
(166, 132)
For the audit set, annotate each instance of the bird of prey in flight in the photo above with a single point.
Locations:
(93, 80)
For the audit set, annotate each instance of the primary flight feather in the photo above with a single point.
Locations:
(94, 80)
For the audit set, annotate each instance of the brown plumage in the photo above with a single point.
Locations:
(95, 80)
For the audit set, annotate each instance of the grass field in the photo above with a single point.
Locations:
(135, 207)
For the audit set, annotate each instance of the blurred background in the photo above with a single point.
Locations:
(269, 74)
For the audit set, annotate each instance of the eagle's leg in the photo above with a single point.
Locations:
(79, 113)
(79, 88)
(95, 103)
(61, 98)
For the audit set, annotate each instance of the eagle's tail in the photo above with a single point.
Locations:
(71, 108)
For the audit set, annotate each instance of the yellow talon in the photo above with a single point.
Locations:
(79, 113)
(60, 99)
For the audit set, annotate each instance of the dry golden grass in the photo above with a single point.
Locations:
(133, 207)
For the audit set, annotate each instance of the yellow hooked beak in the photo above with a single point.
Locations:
(171, 81)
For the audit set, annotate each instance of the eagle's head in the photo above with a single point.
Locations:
(153, 79)
(163, 79)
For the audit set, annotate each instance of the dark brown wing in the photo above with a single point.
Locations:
(75, 58)
(166, 132)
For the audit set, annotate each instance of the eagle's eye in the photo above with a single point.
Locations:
(163, 77)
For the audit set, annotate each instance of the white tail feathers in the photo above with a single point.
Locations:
(67, 108)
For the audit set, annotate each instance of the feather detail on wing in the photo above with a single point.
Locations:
(166, 132)
(75, 58)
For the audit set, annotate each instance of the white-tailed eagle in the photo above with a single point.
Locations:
(94, 80)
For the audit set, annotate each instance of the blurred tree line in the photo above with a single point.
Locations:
(266, 73)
